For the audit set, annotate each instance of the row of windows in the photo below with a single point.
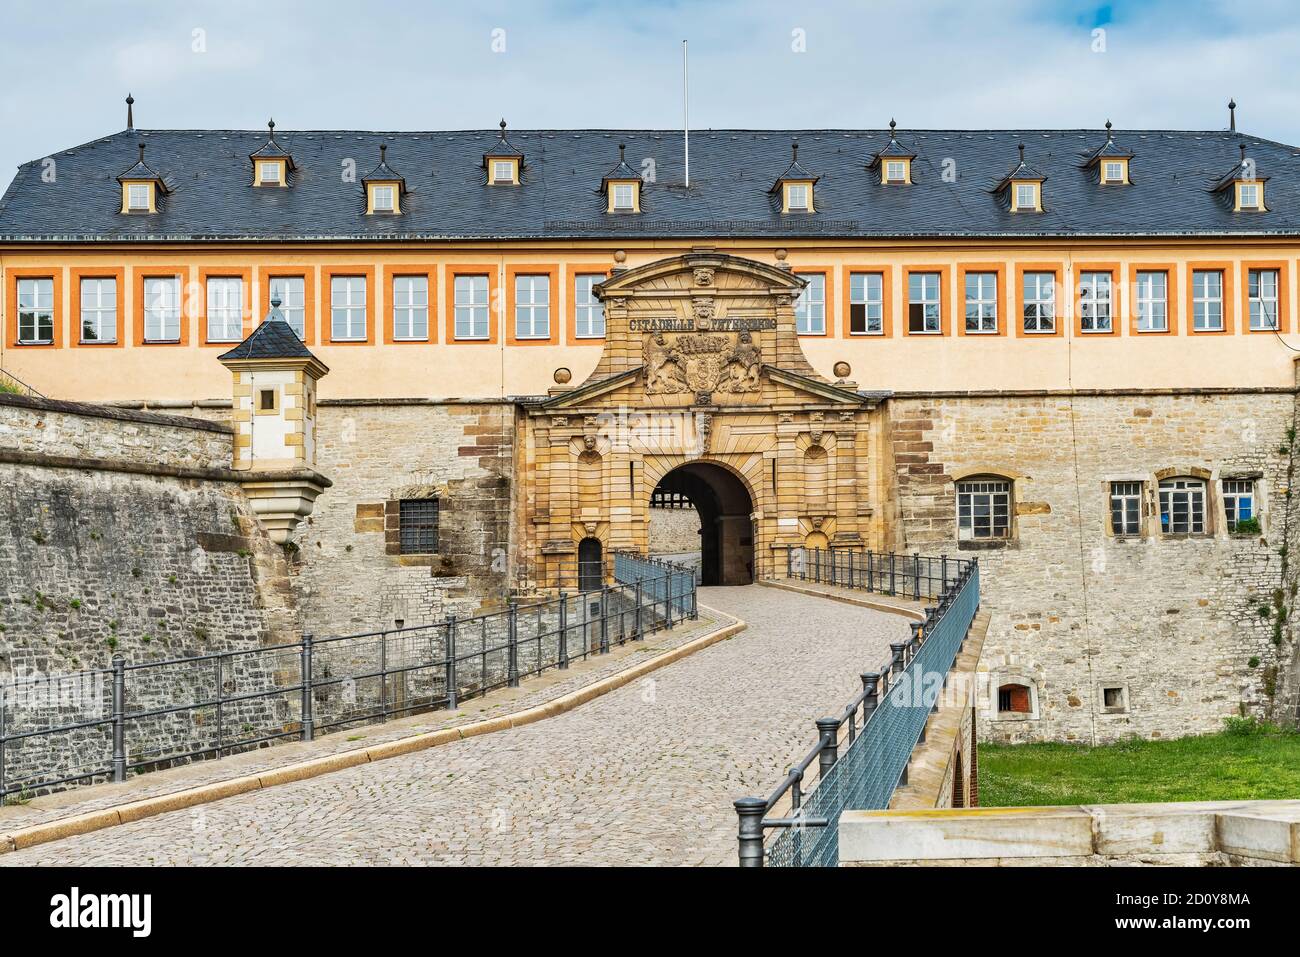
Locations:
(348, 294)
(984, 507)
(1039, 298)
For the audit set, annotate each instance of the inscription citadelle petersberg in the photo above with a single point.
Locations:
(679, 324)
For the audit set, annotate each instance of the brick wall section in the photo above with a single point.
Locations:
(349, 571)
(1073, 608)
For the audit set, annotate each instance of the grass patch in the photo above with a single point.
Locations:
(1253, 762)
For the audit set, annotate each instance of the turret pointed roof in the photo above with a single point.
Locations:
(273, 339)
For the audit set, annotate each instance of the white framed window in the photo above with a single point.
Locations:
(1248, 195)
(1038, 297)
(624, 197)
(981, 302)
(137, 196)
(383, 198)
(1239, 504)
(1182, 506)
(810, 307)
(470, 298)
(1262, 294)
(98, 309)
(1095, 302)
(1026, 196)
(1126, 508)
(411, 308)
(1153, 300)
(797, 197)
(588, 311)
(35, 311)
(532, 307)
(162, 309)
(225, 309)
(866, 304)
(983, 509)
(348, 308)
(1207, 300)
(503, 171)
(268, 172)
(1112, 171)
(895, 171)
(923, 302)
(291, 291)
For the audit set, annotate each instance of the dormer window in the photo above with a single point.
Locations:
(141, 187)
(139, 197)
(384, 188)
(1026, 198)
(795, 186)
(1250, 196)
(1111, 161)
(622, 186)
(1024, 187)
(271, 161)
(1247, 186)
(503, 162)
(894, 161)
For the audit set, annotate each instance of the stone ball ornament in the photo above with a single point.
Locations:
(562, 376)
(842, 370)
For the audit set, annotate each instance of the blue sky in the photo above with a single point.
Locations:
(396, 64)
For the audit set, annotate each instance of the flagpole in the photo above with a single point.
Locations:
(686, 115)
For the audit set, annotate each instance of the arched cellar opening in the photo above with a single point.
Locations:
(591, 564)
(722, 509)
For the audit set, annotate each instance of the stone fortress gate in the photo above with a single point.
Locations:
(703, 390)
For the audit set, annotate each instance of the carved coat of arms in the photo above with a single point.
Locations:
(701, 364)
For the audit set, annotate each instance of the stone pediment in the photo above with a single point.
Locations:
(703, 329)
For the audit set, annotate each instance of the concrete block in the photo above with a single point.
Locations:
(877, 836)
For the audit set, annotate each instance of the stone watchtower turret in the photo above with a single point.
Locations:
(274, 416)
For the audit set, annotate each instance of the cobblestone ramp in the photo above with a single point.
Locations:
(644, 775)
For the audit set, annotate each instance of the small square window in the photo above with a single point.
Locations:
(418, 526)
(797, 197)
(1026, 197)
(1112, 171)
(266, 400)
(1114, 699)
(1015, 699)
(1248, 195)
(383, 199)
(624, 197)
(1239, 506)
(268, 172)
(137, 196)
(503, 171)
(895, 171)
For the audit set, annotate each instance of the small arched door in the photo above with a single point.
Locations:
(591, 565)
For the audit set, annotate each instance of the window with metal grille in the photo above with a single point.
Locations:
(1126, 508)
(1014, 699)
(983, 509)
(1182, 506)
(417, 522)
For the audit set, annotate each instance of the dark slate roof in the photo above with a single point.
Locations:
(728, 197)
(273, 339)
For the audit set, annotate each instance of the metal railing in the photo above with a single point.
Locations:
(914, 576)
(879, 729)
(58, 730)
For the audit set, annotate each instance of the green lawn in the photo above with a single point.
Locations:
(1212, 767)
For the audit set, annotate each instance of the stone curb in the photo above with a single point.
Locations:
(302, 770)
(847, 599)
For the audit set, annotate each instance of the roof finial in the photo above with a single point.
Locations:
(621, 148)
(1022, 154)
(1243, 154)
(141, 145)
(130, 119)
(794, 152)
(270, 125)
(1232, 115)
(383, 153)
(892, 126)
(503, 127)
(1108, 129)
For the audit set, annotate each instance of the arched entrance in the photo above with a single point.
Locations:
(591, 565)
(726, 529)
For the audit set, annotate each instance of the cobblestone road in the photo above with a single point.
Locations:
(644, 775)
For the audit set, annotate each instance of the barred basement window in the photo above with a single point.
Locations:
(1126, 508)
(1182, 506)
(417, 522)
(983, 509)
(1014, 699)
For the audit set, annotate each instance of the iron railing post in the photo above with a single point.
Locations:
(750, 812)
(452, 695)
(943, 572)
(383, 675)
(870, 700)
(638, 599)
(871, 570)
(4, 696)
(828, 729)
(695, 599)
(119, 718)
(604, 619)
(307, 720)
(220, 689)
(789, 563)
(896, 662)
(852, 581)
(512, 640)
(916, 576)
(564, 629)
(893, 570)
